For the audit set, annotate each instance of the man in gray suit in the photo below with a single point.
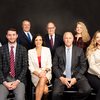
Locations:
(13, 67)
(69, 66)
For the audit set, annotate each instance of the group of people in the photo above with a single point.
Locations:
(36, 59)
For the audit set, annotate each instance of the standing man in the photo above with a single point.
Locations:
(69, 66)
(13, 67)
(52, 40)
(25, 38)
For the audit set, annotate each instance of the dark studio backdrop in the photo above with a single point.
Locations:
(64, 13)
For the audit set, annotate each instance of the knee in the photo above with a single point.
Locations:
(56, 94)
(46, 89)
(86, 90)
(20, 97)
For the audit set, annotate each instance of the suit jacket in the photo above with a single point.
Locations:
(78, 62)
(21, 64)
(23, 40)
(45, 63)
(58, 42)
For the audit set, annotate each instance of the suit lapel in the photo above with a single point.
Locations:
(24, 35)
(48, 41)
(6, 51)
(73, 55)
(16, 55)
(64, 53)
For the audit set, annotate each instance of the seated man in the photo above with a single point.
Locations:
(69, 66)
(13, 67)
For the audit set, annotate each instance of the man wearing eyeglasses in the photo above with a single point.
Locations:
(52, 39)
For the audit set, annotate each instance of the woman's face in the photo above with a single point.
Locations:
(79, 29)
(98, 38)
(38, 41)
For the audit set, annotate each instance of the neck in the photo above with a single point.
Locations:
(39, 47)
(12, 43)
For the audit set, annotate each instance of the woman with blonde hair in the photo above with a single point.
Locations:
(82, 37)
(93, 55)
(40, 64)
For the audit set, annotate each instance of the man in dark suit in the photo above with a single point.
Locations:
(69, 66)
(25, 37)
(52, 40)
(13, 67)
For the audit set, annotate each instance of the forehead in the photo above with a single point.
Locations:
(68, 34)
(79, 25)
(50, 25)
(38, 37)
(11, 32)
(98, 34)
(25, 22)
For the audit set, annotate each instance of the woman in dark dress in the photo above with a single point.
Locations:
(82, 37)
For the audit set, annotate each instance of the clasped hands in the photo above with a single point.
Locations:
(11, 85)
(69, 82)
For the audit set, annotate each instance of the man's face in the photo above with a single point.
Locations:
(68, 39)
(12, 36)
(51, 28)
(26, 26)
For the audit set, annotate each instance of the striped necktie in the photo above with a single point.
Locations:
(12, 64)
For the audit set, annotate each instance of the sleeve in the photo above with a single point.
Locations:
(93, 66)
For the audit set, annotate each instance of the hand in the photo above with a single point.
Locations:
(8, 85)
(47, 70)
(15, 84)
(73, 81)
(42, 74)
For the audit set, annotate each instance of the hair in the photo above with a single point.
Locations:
(85, 34)
(50, 22)
(26, 20)
(93, 45)
(11, 29)
(35, 36)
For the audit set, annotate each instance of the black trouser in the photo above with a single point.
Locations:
(29, 94)
(82, 85)
(95, 84)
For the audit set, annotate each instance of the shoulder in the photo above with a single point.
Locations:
(77, 49)
(45, 48)
(60, 49)
(20, 47)
(3, 47)
(32, 50)
(58, 35)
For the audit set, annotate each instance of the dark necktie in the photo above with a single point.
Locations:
(68, 64)
(51, 41)
(28, 36)
(12, 65)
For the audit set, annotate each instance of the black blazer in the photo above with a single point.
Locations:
(21, 63)
(78, 62)
(58, 42)
(23, 40)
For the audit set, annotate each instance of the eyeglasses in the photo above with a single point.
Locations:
(50, 27)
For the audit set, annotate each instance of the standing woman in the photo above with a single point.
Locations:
(93, 55)
(82, 37)
(40, 64)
